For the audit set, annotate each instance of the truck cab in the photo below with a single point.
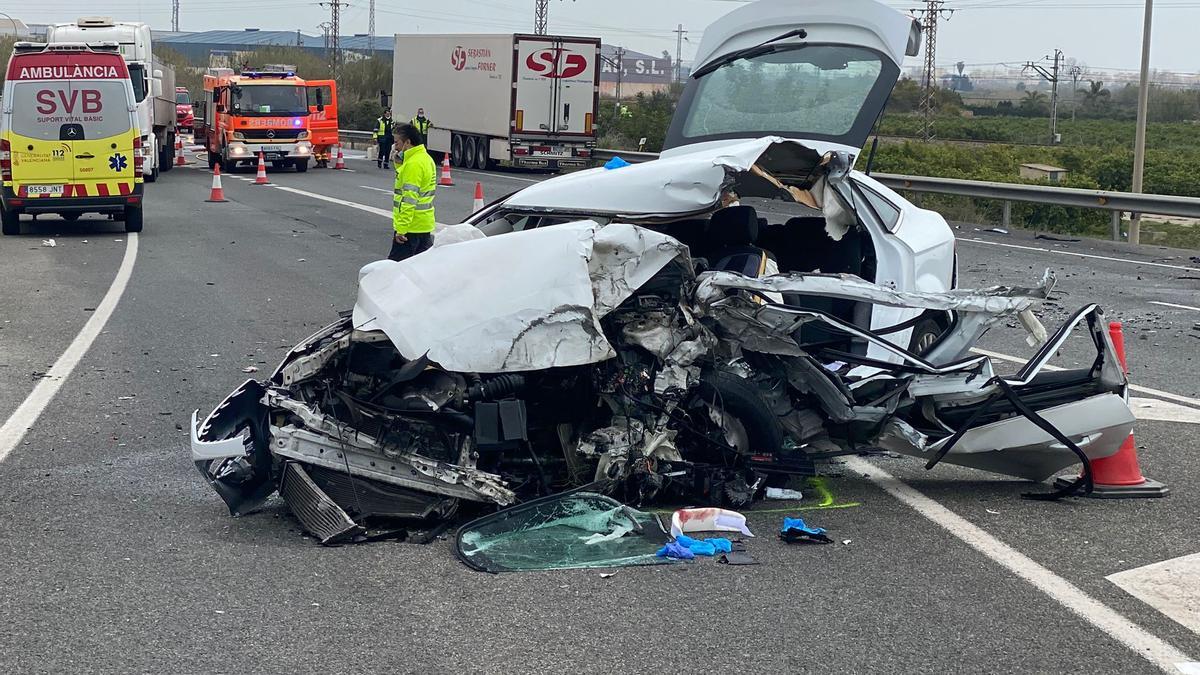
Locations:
(242, 115)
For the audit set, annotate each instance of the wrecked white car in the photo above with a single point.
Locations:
(605, 359)
(660, 339)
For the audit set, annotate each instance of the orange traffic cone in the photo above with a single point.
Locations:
(261, 178)
(218, 192)
(478, 203)
(341, 161)
(1118, 476)
(446, 179)
(179, 158)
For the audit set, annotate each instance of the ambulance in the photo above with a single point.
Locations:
(69, 138)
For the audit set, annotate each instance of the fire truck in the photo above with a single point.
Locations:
(271, 111)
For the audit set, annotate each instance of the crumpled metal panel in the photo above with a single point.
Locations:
(558, 283)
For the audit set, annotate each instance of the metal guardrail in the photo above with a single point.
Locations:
(1108, 200)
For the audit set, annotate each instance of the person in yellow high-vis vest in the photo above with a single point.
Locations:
(383, 136)
(412, 199)
(422, 124)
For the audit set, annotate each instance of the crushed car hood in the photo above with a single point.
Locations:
(685, 183)
(524, 301)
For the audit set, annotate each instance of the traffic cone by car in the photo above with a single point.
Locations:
(261, 178)
(218, 192)
(1118, 476)
(446, 179)
(180, 160)
(478, 203)
(341, 161)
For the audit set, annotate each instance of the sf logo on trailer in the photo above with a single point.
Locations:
(556, 63)
(458, 58)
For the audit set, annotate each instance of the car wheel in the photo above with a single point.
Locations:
(924, 336)
(481, 154)
(11, 221)
(456, 150)
(133, 218)
(301, 165)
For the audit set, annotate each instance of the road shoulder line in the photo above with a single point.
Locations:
(26, 414)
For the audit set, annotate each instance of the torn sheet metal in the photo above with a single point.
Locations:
(688, 182)
(558, 282)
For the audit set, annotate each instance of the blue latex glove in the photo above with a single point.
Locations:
(721, 544)
(796, 530)
(616, 163)
(673, 549)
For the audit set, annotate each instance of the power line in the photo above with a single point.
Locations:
(933, 11)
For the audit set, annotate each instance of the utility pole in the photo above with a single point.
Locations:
(1139, 142)
(1050, 76)
(335, 31)
(1076, 73)
(541, 16)
(930, 15)
(371, 28)
(175, 15)
(679, 33)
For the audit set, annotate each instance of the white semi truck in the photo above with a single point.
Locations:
(153, 82)
(511, 99)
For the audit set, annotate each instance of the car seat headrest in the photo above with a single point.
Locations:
(734, 226)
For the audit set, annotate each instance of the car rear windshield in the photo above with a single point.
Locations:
(42, 109)
(271, 99)
(810, 91)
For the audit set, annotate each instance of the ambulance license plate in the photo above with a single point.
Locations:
(53, 190)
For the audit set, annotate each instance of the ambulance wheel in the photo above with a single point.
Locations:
(301, 165)
(133, 218)
(11, 221)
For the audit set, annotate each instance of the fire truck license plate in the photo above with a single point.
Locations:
(273, 148)
(32, 190)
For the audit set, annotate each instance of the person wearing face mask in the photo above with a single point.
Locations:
(412, 199)
(383, 136)
(422, 124)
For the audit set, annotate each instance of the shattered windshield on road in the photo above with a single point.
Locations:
(565, 531)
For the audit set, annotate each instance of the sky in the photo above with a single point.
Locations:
(1103, 34)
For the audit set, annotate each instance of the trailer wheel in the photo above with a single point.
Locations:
(481, 155)
(469, 150)
(166, 156)
(456, 150)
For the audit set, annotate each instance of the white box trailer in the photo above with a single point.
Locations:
(153, 81)
(511, 99)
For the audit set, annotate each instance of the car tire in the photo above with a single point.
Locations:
(925, 335)
(10, 221)
(481, 154)
(133, 218)
(741, 400)
(456, 150)
(301, 165)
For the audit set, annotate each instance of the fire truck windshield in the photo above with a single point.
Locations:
(270, 99)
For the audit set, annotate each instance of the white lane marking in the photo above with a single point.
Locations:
(31, 408)
(1138, 388)
(368, 187)
(1163, 411)
(334, 200)
(1171, 587)
(1040, 249)
(1146, 645)
(1171, 304)
(503, 176)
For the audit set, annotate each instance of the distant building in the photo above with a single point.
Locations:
(640, 73)
(1043, 172)
(200, 46)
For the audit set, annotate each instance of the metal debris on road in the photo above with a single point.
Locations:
(49, 243)
(784, 494)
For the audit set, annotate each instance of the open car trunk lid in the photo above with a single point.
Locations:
(818, 70)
